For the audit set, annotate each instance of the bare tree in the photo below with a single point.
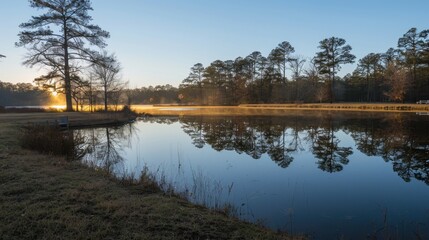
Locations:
(129, 94)
(396, 79)
(90, 92)
(322, 93)
(312, 80)
(296, 64)
(106, 72)
(57, 39)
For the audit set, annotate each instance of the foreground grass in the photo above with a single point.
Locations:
(46, 197)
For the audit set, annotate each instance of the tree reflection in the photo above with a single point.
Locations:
(196, 133)
(400, 139)
(252, 136)
(331, 156)
(407, 147)
(325, 147)
(367, 139)
(395, 138)
(104, 145)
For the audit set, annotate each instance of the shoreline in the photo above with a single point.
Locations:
(239, 109)
(276, 109)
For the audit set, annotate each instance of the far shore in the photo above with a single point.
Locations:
(242, 109)
(276, 109)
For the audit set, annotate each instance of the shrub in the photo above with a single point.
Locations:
(51, 140)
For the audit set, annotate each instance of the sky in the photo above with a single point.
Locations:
(158, 41)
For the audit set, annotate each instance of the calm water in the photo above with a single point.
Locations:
(329, 175)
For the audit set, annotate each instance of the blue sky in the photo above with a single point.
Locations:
(157, 41)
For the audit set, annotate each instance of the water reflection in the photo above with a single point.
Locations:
(397, 139)
(401, 140)
(104, 146)
(327, 166)
(253, 137)
(325, 147)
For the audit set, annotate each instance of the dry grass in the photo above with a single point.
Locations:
(46, 197)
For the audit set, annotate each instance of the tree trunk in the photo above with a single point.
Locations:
(105, 98)
(332, 89)
(367, 88)
(67, 79)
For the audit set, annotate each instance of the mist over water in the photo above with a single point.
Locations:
(327, 174)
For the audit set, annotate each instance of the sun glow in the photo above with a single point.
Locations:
(54, 93)
(58, 107)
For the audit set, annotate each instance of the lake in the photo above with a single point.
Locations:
(331, 175)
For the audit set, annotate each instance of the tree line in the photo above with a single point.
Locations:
(64, 41)
(23, 94)
(28, 94)
(398, 75)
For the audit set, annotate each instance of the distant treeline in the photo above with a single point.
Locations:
(398, 75)
(22, 94)
(27, 94)
(160, 94)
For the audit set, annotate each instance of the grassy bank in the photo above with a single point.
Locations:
(277, 109)
(47, 197)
